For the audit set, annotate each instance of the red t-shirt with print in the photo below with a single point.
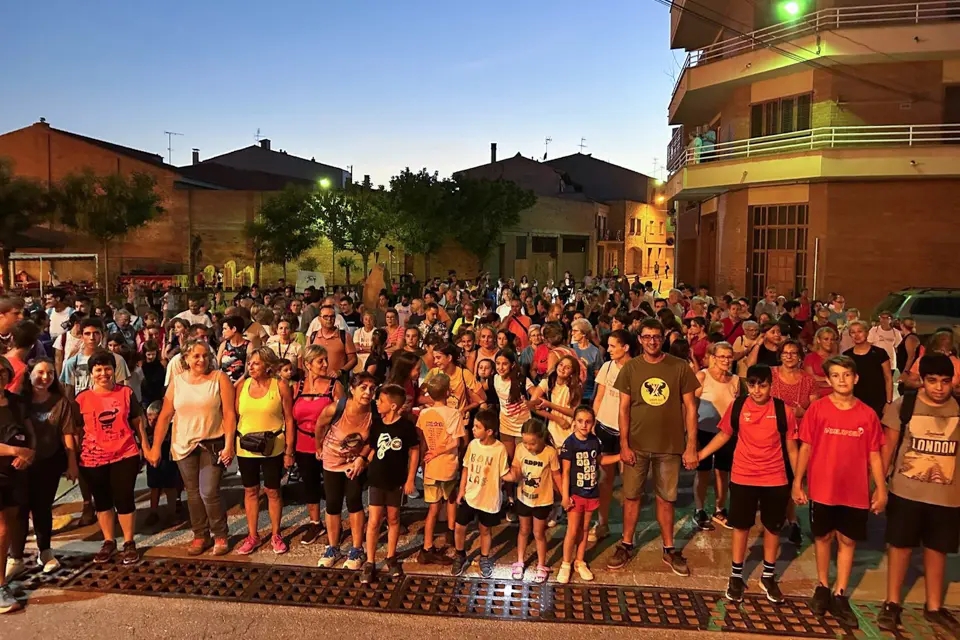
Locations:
(758, 458)
(107, 432)
(838, 473)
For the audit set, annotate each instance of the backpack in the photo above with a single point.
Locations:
(343, 337)
(907, 405)
(780, 409)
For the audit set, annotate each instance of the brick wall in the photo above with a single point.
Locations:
(884, 237)
(731, 262)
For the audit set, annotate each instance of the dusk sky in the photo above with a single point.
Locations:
(377, 84)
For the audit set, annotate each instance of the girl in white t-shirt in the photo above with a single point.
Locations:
(514, 410)
(557, 397)
(537, 469)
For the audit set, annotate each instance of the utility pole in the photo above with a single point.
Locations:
(546, 146)
(170, 135)
(582, 145)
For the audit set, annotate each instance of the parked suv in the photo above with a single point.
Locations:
(931, 308)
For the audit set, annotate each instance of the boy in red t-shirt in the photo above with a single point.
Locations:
(763, 460)
(841, 438)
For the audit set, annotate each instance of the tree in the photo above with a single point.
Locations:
(483, 208)
(288, 226)
(256, 233)
(357, 219)
(308, 264)
(424, 217)
(108, 207)
(23, 203)
(347, 263)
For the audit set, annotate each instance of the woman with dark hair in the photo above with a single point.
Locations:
(235, 348)
(54, 420)
(672, 330)
(405, 372)
(377, 359)
(465, 392)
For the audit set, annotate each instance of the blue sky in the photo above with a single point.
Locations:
(377, 84)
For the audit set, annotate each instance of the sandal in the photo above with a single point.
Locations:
(517, 573)
(542, 574)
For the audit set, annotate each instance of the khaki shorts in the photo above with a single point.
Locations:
(436, 490)
(666, 475)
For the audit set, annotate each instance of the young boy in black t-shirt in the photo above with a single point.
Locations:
(394, 454)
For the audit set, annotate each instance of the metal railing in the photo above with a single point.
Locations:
(821, 138)
(832, 18)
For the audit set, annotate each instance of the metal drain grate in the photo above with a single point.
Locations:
(756, 615)
(633, 606)
(478, 598)
(322, 588)
(34, 578)
(459, 597)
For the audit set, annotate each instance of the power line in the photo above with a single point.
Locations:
(834, 69)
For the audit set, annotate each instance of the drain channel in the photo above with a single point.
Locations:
(641, 607)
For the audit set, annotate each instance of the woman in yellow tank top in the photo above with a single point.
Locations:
(264, 404)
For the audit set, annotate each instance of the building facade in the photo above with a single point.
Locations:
(815, 146)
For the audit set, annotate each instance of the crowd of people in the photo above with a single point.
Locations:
(510, 400)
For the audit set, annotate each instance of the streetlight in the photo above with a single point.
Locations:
(324, 183)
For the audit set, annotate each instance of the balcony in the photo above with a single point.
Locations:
(689, 31)
(826, 37)
(867, 152)
(610, 236)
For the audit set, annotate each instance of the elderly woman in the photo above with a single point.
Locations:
(200, 402)
(744, 344)
(533, 359)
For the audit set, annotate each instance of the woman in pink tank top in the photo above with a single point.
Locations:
(311, 396)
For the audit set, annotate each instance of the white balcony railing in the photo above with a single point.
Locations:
(819, 138)
(832, 18)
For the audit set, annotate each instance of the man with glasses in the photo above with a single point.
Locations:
(468, 319)
(658, 428)
(341, 352)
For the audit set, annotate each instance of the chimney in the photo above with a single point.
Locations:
(366, 181)
(493, 152)
(196, 156)
(265, 144)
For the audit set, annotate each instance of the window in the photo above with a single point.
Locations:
(947, 307)
(782, 115)
(661, 228)
(574, 244)
(777, 254)
(633, 226)
(545, 244)
(521, 247)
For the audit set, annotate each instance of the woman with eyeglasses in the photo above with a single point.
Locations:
(719, 387)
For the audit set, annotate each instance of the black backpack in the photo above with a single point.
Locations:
(907, 404)
(781, 412)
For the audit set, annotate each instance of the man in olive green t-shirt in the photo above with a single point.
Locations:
(658, 428)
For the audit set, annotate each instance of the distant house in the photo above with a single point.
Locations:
(263, 159)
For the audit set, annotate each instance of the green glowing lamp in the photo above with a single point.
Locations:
(791, 8)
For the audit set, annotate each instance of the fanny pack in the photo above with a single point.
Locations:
(214, 446)
(259, 442)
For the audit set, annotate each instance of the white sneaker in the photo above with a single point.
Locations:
(48, 561)
(563, 576)
(583, 571)
(15, 568)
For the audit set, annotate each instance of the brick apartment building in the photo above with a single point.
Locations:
(816, 150)
(207, 203)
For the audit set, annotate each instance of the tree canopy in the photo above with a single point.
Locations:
(483, 209)
(23, 203)
(285, 227)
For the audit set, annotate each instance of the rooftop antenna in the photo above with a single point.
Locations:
(546, 146)
(170, 135)
(257, 136)
(582, 145)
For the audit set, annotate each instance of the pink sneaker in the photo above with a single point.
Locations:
(248, 546)
(279, 546)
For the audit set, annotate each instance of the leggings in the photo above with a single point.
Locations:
(37, 490)
(311, 473)
(338, 486)
(112, 485)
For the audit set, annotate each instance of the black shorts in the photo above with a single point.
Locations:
(386, 497)
(8, 496)
(311, 476)
(914, 524)
(540, 513)
(746, 499)
(849, 521)
(609, 439)
(112, 485)
(466, 514)
(722, 460)
(250, 469)
(339, 487)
